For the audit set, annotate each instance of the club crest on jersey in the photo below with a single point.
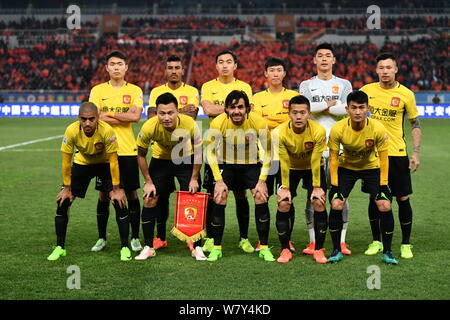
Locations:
(112, 139)
(126, 99)
(335, 89)
(309, 145)
(183, 100)
(395, 102)
(369, 143)
(99, 146)
(286, 104)
(190, 213)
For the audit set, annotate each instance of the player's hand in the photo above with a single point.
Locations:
(190, 110)
(261, 188)
(318, 194)
(219, 189)
(65, 193)
(283, 194)
(193, 186)
(117, 194)
(149, 190)
(414, 162)
(331, 103)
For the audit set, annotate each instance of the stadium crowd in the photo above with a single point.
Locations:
(78, 66)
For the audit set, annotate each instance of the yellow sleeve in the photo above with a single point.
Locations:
(316, 157)
(206, 93)
(334, 167)
(111, 141)
(114, 168)
(384, 167)
(249, 92)
(66, 168)
(285, 164)
(411, 107)
(264, 138)
(333, 140)
(67, 144)
(95, 98)
(138, 99)
(144, 138)
(196, 138)
(196, 97)
(212, 143)
(152, 99)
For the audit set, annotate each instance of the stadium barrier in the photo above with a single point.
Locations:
(71, 110)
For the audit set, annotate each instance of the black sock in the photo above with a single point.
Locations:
(335, 227)
(374, 219)
(148, 224)
(292, 219)
(61, 221)
(102, 217)
(262, 217)
(387, 229)
(320, 228)
(218, 223)
(283, 228)
(243, 216)
(161, 220)
(405, 217)
(209, 214)
(135, 217)
(123, 222)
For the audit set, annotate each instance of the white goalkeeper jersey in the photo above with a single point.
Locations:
(319, 91)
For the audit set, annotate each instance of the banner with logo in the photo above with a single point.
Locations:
(190, 216)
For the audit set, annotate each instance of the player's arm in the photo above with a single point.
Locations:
(339, 108)
(106, 116)
(149, 187)
(66, 191)
(316, 160)
(211, 109)
(117, 193)
(416, 134)
(196, 139)
(264, 137)
(285, 163)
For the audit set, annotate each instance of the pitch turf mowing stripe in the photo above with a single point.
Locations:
(30, 142)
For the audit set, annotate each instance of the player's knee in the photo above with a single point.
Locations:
(337, 204)
(383, 205)
(284, 206)
(259, 199)
(318, 206)
(403, 198)
(63, 207)
(150, 202)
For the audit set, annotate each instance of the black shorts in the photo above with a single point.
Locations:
(129, 173)
(370, 180)
(163, 173)
(399, 177)
(208, 179)
(240, 176)
(273, 181)
(82, 175)
(295, 176)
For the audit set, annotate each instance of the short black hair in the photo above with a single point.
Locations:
(234, 96)
(221, 53)
(87, 107)
(173, 58)
(166, 98)
(117, 54)
(324, 45)
(385, 56)
(299, 100)
(273, 62)
(357, 96)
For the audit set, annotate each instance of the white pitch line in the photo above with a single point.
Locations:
(29, 150)
(29, 142)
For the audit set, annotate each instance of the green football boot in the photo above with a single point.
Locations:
(266, 254)
(246, 246)
(57, 253)
(215, 254)
(374, 248)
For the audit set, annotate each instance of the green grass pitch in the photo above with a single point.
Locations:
(30, 178)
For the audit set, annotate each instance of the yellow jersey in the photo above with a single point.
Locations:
(234, 144)
(186, 137)
(297, 149)
(90, 150)
(389, 106)
(109, 99)
(360, 147)
(185, 95)
(273, 106)
(216, 91)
